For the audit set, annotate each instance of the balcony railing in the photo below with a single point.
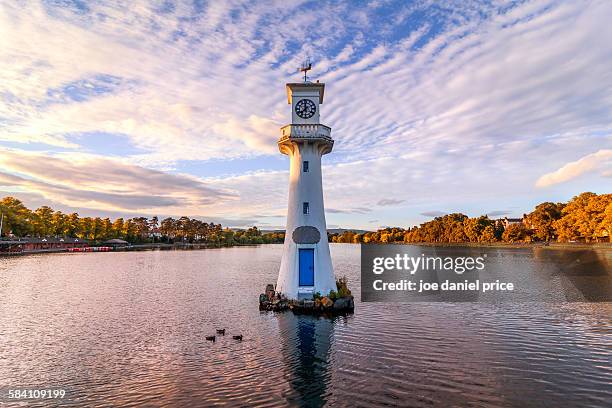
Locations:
(305, 132)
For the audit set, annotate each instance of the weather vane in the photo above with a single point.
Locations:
(306, 66)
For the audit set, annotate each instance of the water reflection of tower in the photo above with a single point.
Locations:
(306, 343)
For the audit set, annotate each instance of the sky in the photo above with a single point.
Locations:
(173, 108)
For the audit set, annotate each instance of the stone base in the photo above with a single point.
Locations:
(314, 307)
(276, 302)
(272, 306)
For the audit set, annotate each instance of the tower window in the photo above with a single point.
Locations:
(305, 166)
(306, 208)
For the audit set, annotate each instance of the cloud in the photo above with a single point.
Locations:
(497, 213)
(200, 83)
(106, 184)
(435, 107)
(434, 213)
(356, 210)
(389, 201)
(186, 83)
(600, 160)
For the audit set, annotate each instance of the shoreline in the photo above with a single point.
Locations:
(194, 247)
(516, 245)
(137, 247)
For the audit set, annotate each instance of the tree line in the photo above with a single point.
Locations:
(19, 221)
(585, 218)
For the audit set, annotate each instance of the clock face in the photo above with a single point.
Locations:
(305, 108)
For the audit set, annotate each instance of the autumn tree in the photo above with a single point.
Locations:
(583, 218)
(141, 228)
(474, 228)
(516, 233)
(606, 222)
(168, 228)
(596, 211)
(542, 218)
(488, 234)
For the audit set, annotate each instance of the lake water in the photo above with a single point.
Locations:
(129, 329)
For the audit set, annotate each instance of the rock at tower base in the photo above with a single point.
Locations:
(340, 302)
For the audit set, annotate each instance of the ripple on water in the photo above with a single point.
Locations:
(129, 329)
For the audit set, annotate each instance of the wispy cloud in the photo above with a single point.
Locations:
(389, 201)
(355, 210)
(434, 213)
(106, 184)
(497, 213)
(430, 106)
(599, 161)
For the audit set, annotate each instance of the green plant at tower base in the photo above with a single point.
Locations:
(316, 295)
(333, 295)
(342, 286)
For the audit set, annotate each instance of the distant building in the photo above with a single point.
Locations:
(506, 222)
(155, 234)
(116, 243)
(41, 244)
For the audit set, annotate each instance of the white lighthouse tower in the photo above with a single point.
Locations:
(306, 266)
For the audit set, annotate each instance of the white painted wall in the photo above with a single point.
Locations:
(305, 187)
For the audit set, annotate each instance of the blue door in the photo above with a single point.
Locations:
(306, 267)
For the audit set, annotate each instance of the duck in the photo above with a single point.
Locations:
(221, 332)
(238, 337)
(210, 338)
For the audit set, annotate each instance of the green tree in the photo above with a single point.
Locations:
(129, 230)
(59, 223)
(97, 228)
(118, 228)
(141, 228)
(106, 230)
(17, 218)
(86, 228)
(42, 222)
(73, 223)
